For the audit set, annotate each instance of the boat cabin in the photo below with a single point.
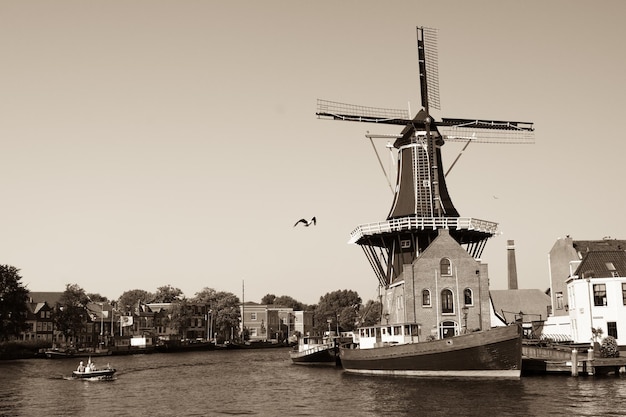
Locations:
(387, 335)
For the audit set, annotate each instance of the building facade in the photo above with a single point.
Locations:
(445, 290)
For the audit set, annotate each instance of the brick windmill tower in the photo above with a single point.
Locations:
(421, 205)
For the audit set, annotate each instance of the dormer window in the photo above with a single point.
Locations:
(612, 269)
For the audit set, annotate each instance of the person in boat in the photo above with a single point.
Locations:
(90, 367)
(81, 367)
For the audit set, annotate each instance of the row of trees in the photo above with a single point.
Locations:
(343, 307)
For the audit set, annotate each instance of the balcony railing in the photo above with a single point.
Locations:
(422, 223)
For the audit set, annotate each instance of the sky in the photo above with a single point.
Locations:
(153, 143)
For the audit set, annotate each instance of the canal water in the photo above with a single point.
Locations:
(265, 383)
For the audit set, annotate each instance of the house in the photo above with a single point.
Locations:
(588, 289)
(264, 322)
(597, 296)
(40, 326)
(563, 260)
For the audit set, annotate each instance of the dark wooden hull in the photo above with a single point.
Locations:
(103, 374)
(326, 357)
(492, 353)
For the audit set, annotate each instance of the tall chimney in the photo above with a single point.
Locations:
(512, 267)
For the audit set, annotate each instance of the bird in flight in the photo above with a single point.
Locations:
(306, 223)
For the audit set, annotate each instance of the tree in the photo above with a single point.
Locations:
(287, 301)
(340, 307)
(179, 316)
(129, 300)
(13, 298)
(71, 314)
(370, 314)
(168, 294)
(206, 296)
(227, 314)
(268, 299)
(97, 298)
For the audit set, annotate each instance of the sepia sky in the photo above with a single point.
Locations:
(150, 143)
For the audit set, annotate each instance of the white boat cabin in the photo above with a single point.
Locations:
(387, 335)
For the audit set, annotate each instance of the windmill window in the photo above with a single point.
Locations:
(599, 295)
(447, 302)
(468, 297)
(426, 298)
(445, 267)
(405, 244)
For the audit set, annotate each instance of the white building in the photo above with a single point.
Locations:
(596, 299)
(597, 296)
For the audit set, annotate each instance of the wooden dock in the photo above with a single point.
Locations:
(574, 361)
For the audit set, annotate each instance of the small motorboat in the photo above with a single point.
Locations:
(99, 374)
(91, 372)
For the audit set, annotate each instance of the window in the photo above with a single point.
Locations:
(405, 244)
(447, 302)
(611, 328)
(624, 293)
(445, 267)
(468, 297)
(559, 300)
(599, 294)
(426, 298)
(253, 316)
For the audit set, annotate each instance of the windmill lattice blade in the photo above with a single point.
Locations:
(432, 66)
(351, 112)
(482, 135)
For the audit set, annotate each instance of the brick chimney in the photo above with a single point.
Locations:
(512, 267)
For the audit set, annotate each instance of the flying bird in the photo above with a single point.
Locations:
(306, 223)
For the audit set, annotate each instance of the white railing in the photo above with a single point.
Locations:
(315, 349)
(422, 223)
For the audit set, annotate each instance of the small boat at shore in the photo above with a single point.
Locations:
(316, 350)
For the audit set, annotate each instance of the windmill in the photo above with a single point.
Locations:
(421, 203)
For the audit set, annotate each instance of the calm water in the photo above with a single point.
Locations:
(265, 383)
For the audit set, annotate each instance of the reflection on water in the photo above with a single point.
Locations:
(265, 383)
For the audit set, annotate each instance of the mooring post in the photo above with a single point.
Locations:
(590, 361)
(574, 362)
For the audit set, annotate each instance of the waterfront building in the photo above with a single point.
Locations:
(597, 297)
(40, 326)
(588, 290)
(265, 322)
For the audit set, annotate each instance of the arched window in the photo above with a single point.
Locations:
(468, 297)
(447, 302)
(426, 298)
(445, 267)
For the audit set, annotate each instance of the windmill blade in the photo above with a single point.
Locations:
(428, 59)
(494, 135)
(350, 112)
(486, 124)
